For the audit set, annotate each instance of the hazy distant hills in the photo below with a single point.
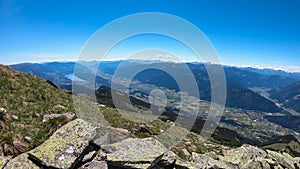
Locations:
(54, 71)
(270, 72)
(61, 73)
(239, 80)
(258, 78)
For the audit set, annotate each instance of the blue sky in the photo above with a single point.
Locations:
(244, 32)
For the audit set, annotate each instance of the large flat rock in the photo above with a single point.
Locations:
(134, 153)
(63, 148)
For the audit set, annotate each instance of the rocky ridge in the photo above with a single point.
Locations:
(72, 146)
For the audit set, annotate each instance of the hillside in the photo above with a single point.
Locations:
(71, 147)
(24, 100)
(238, 97)
(289, 96)
(288, 121)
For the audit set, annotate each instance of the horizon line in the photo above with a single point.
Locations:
(287, 70)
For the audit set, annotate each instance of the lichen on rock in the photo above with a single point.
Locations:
(284, 159)
(113, 135)
(4, 160)
(135, 153)
(63, 148)
(243, 157)
(21, 162)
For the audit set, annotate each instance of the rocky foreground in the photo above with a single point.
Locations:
(77, 145)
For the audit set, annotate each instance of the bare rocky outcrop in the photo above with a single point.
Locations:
(61, 150)
(113, 135)
(72, 147)
(68, 115)
(134, 153)
(246, 156)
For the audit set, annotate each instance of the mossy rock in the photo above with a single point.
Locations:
(134, 153)
(63, 148)
(21, 162)
(285, 159)
(244, 157)
(211, 160)
(4, 160)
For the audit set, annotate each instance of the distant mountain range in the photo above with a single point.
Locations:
(240, 81)
(250, 77)
(269, 72)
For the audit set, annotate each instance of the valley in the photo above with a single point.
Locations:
(248, 107)
(154, 84)
(237, 129)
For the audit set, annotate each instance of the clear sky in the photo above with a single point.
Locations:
(244, 32)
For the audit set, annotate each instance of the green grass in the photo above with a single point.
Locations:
(197, 144)
(115, 119)
(194, 143)
(28, 98)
